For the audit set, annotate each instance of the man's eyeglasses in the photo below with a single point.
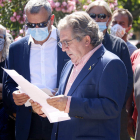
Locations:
(101, 16)
(41, 25)
(64, 43)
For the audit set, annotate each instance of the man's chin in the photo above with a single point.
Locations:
(72, 57)
(74, 62)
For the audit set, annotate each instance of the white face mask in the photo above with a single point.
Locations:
(1, 43)
(39, 34)
(102, 26)
(118, 30)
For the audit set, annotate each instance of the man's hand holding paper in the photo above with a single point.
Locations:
(37, 108)
(20, 98)
(59, 102)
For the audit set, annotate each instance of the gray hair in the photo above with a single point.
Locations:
(82, 24)
(5, 50)
(34, 6)
(100, 3)
(10, 37)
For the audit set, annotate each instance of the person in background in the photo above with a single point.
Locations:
(121, 24)
(38, 59)
(92, 83)
(4, 49)
(131, 104)
(4, 118)
(12, 117)
(101, 13)
(137, 97)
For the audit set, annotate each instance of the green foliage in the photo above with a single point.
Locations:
(12, 9)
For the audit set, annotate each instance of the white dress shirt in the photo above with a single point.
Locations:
(43, 62)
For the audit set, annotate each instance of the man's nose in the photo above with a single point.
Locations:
(97, 19)
(64, 48)
(37, 26)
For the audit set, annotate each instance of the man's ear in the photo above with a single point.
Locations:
(87, 40)
(128, 29)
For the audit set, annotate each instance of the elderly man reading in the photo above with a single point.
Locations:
(92, 84)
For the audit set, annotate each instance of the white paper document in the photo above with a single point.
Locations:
(39, 96)
(47, 91)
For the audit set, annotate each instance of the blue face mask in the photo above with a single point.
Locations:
(102, 26)
(39, 34)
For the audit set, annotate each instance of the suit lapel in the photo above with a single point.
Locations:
(26, 59)
(89, 66)
(65, 76)
(60, 57)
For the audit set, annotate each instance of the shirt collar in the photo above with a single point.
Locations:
(30, 40)
(52, 35)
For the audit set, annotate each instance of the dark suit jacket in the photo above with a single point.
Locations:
(19, 55)
(97, 99)
(117, 46)
(137, 99)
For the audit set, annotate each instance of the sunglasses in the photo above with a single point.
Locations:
(101, 16)
(41, 25)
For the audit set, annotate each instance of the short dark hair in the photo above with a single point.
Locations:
(125, 12)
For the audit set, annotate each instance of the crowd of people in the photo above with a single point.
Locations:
(90, 69)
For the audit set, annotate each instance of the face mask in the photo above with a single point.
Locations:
(102, 26)
(39, 34)
(117, 30)
(1, 43)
